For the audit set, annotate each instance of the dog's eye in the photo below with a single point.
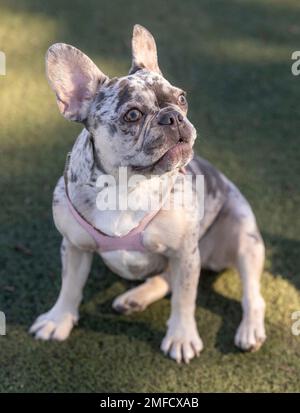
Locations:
(133, 115)
(182, 100)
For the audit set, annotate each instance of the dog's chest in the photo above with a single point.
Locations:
(134, 265)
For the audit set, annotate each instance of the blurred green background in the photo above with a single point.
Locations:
(234, 59)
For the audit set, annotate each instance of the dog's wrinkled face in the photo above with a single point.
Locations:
(138, 120)
(143, 120)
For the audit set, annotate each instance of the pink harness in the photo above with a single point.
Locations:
(133, 241)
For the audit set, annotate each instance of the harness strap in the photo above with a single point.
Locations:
(133, 241)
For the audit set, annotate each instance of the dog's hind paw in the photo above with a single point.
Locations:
(53, 326)
(129, 302)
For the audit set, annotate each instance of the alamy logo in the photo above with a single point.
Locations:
(296, 325)
(2, 63)
(149, 194)
(296, 65)
(2, 324)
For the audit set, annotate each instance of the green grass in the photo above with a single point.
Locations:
(234, 59)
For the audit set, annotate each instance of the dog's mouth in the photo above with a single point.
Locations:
(176, 156)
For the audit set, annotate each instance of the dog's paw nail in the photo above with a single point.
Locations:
(119, 308)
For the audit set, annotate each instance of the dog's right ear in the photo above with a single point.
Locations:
(74, 78)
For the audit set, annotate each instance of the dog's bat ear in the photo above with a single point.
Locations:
(74, 78)
(144, 53)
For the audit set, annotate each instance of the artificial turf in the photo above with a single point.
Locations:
(234, 58)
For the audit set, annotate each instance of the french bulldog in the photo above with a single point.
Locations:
(139, 122)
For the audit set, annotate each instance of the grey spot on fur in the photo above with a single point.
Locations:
(73, 177)
(87, 141)
(213, 179)
(134, 269)
(112, 128)
(55, 201)
(112, 81)
(163, 98)
(94, 123)
(101, 95)
(125, 93)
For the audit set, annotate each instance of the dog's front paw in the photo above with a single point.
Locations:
(53, 325)
(251, 334)
(182, 341)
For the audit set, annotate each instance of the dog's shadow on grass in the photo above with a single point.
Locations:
(106, 320)
(227, 308)
(283, 257)
(134, 327)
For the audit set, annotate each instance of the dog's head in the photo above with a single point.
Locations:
(139, 121)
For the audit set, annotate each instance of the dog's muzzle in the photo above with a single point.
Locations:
(174, 124)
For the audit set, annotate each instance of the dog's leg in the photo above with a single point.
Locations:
(138, 298)
(59, 321)
(250, 260)
(182, 341)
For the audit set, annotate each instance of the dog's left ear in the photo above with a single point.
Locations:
(74, 78)
(144, 52)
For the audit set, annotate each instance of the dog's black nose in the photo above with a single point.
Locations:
(171, 117)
